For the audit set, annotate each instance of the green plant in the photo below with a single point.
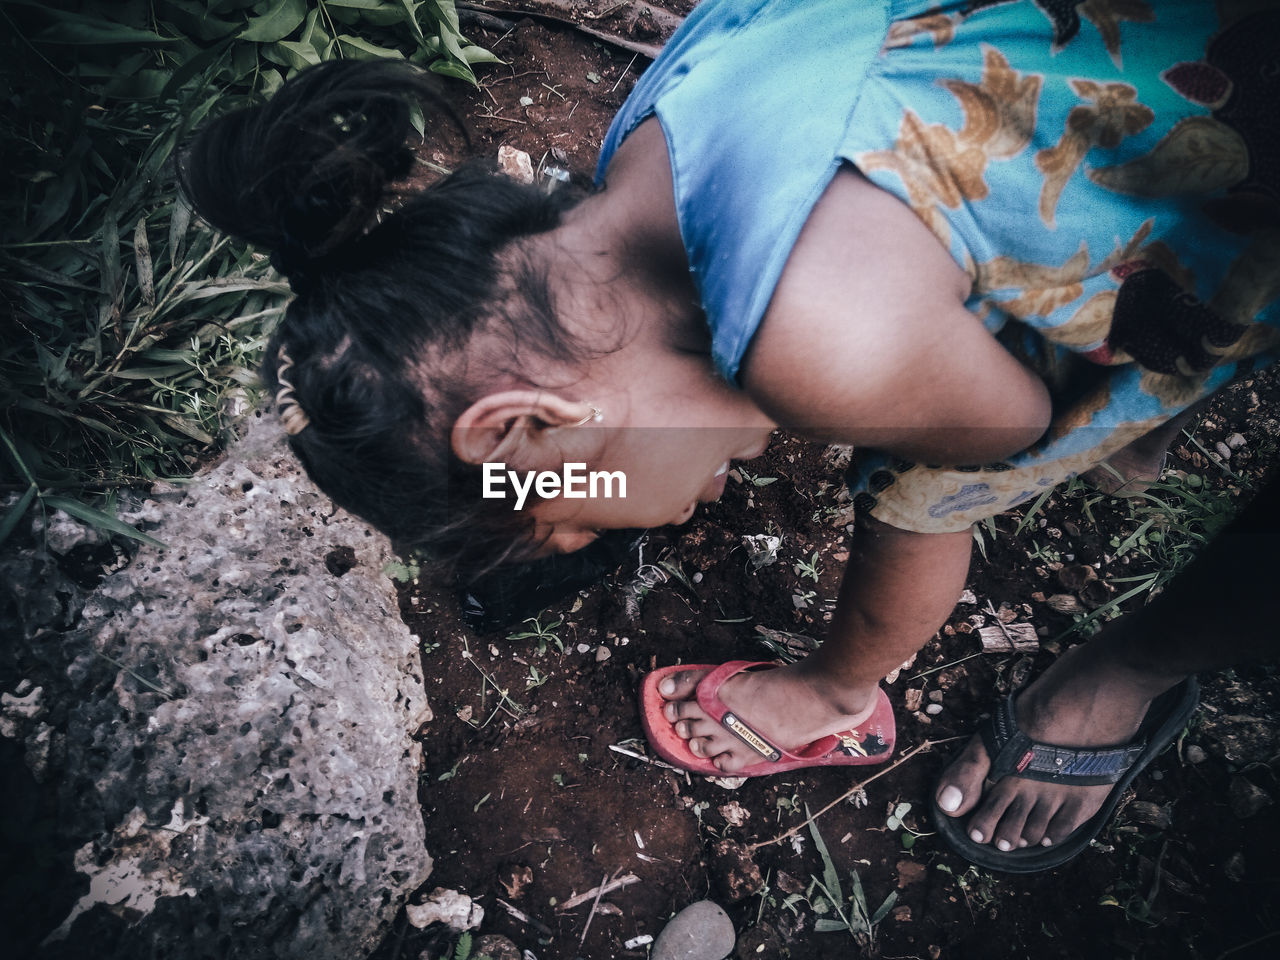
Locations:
(853, 916)
(897, 821)
(755, 480)
(808, 568)
(131, 332)
(541, 634)
(977, 886)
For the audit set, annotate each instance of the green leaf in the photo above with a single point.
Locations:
(81, 29)
(885, 907)
(459, 71)
(830, 879)
(362, 49)
(824, 925)
(16, 513)
(284, 17)
(103, 521)
(411, 14)
(295, 54)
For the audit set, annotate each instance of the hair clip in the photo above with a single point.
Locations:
(295, 419)
(596, 414)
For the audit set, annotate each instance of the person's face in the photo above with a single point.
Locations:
(668, 471)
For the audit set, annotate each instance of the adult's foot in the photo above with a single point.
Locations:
(1086, 699)
(789, 706)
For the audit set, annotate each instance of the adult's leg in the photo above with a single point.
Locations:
(1133, 468)
(1222, 611)
(898, 589)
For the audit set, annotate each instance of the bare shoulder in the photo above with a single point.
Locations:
(867, 340)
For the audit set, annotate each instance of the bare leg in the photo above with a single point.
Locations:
(1131, 469)
(1222, 611)
(898, 589)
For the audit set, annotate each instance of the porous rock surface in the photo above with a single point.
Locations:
(209, 754)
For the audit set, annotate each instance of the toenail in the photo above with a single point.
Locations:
(1005, 846)
(1046, 842)
(1022, 842)
(950, 799)
(667, 687)
(976, 836)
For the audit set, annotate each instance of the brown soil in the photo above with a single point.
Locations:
(526, 803)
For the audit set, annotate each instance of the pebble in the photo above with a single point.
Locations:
(584, 647)
(935, 696)
(933, 709)
(697, 578)
(1235, 441)
(1223, 450)
(603, 653)
(1195, 754)
(701, 931)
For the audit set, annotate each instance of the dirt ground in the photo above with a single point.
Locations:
(532, 791)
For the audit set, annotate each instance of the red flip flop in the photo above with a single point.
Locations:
(870, 742)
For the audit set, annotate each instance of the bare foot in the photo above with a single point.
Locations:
(1084, 700)
(789, 706)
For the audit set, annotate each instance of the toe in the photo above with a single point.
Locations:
(961, 786)
(677, 710)
(1008, 832)
(985, 820)
(1033, 831)
(1064, 822)
(681, 685)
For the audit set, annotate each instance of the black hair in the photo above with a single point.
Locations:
(386, 299)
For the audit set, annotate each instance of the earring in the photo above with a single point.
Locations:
(595, 415)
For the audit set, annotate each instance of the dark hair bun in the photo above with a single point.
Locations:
(306, 172)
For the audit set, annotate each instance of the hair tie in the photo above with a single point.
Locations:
(295, 419)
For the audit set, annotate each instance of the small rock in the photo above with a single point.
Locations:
(697, 577)
(933, 709)
(583, 647)
(496, 947)
(968, 597)
(913, 698)
(935, 696)
(1073, 576)
(603, 653)
(1150, 814)
(455, 910)
(902, 914)
(1095, 594)
(1235, 441)
(1195, 754)
(515, 163)
(701, 931)
(1064, 603)
(1223, 450)
(1246, 798)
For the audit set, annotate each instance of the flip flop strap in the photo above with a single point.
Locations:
(709, 699)
(1014, 754)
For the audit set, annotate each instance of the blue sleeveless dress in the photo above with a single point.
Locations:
(1107, 174)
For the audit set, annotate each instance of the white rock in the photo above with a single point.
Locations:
(1236, 441)
(933, 709)
(455, 910)
(515, 163)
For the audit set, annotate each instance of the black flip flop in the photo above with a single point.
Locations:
(1014, 754)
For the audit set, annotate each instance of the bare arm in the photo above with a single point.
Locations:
(867, 341)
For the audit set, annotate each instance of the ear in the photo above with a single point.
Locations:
(508, 426)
